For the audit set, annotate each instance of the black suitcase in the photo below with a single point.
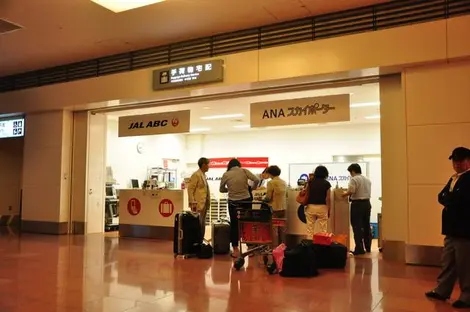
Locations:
(331, 257)
(221, 237)
(187, 235)
(299, 261)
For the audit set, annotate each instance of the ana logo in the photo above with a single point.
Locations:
(175, 122)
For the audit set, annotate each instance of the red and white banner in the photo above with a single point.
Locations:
(247, 162)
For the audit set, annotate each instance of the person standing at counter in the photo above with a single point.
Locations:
(318, 206)
(276, 194)
(199, 193)
(455, 197)
(359, 192)
(235, 183)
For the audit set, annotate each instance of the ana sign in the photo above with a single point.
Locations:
(163, 123)
(333, 108)
(188, 74)
(338, 173)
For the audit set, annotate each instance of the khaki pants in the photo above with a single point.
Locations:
(317, 219)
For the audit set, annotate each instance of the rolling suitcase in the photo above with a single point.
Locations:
(221, 237)
(187, 235)
(331, 257)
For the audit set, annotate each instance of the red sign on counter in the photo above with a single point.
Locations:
(247, 162)
(166, 208)
(133, 206)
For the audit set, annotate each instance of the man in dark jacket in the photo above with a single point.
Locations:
(455, 197)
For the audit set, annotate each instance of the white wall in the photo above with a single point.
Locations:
(282, 146)
(311, 145)
(128, 164)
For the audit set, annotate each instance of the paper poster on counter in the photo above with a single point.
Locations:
(152, 124)
(332, 108)
(338, 173)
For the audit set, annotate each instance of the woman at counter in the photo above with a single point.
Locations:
(276, 194)
(235, 183)
(318, 207)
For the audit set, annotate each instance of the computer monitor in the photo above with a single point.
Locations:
(135, 183)
(110, 191)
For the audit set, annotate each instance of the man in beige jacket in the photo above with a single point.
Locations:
(198, 192)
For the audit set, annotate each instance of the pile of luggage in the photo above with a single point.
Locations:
(305, 259)
(189, 243)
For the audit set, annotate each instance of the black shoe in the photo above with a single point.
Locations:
(358, 253)
(434, 295)
(460, 305)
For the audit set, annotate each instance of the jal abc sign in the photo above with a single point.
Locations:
(162, 123)
(333, 108)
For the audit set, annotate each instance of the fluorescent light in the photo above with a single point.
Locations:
(118, 6)
(200, 130)
(221, 116)
(372, 117)
(242, 126)
(369, 104)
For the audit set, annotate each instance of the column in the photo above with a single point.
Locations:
(46, 172)
(438, 120)
(394, 168)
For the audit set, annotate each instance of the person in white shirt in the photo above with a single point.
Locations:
(359, 192)
(199, 193)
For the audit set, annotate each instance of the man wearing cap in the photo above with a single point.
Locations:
(455, 197)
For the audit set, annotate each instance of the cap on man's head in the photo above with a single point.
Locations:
(460, 153)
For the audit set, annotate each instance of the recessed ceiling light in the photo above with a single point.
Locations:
(206, 107)
(118, 6)
(200, 130)
(368, 104)
(372, 117)
(222, 116)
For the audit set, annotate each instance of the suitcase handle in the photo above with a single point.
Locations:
(180, 234)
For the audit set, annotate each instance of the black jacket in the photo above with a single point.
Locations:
(456, 212)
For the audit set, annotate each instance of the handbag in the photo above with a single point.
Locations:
(302, 197)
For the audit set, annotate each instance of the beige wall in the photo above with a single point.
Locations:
(11, 168)
(393, 49)
(46, 168)
(438, 120)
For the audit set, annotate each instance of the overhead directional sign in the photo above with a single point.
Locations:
(211, 71)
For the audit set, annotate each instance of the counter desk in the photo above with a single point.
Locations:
(338, 223)
(150, 213)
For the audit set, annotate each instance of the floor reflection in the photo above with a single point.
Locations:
(106, 274)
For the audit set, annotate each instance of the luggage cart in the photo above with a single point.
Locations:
(256, 228)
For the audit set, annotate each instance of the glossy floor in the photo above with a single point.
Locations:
(104, 274)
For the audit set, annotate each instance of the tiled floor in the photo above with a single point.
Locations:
(104, 274)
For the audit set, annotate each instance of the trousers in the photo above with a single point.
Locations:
(232, 210)
(455, 266)
(360, 223)
(317, 219)
(202, 219)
